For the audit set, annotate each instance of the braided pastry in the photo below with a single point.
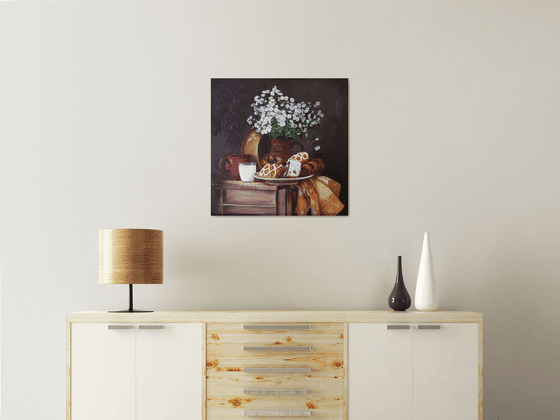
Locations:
(312, 167)
(272, 159)
(272, 170)
(302, 157)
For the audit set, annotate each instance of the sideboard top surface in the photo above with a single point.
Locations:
(275, 316)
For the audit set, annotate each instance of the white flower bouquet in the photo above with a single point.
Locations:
(279, 116)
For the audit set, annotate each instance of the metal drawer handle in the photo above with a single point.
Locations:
(429, 327)
(277, 413)
(275, 370)
(398, 327)
(119, 327)
(150, 327)
(298, 348)
(276, 391)
(276, 327)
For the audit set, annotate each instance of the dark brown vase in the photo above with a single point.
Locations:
(399, 299)
(280, 150)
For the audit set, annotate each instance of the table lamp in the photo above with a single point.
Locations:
(130, 256)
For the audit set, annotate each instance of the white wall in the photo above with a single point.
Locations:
(454, 129)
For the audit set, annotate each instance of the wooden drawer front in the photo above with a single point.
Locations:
(282, 368)
(248, 210)
(230, 349)
(252, 332)
(232, 402)
(250, 197)
(232, 373)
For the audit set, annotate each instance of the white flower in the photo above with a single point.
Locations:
(317, 103)
(317, 147)
(316, 138)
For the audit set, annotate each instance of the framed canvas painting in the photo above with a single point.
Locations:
(279, 147)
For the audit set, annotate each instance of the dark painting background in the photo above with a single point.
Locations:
(231, 106)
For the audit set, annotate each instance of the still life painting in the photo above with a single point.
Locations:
(279, 147)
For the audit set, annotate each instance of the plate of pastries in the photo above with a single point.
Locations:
(296, 168)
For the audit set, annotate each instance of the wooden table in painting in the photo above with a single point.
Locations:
(254, 198)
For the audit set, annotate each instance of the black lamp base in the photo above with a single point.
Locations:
(130, 305)
(129, 311)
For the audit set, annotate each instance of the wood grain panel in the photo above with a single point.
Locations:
(221, 395)
(345, 367)
(250, 197)
(230, 403)
(480, 372)
(276, 316)
(68, 371)
(277, 380)
(242, 210)
(203, 402)
(237, 328)
(226, 361)
(278, 350)
(284, 337)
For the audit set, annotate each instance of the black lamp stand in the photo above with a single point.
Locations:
(130, 304)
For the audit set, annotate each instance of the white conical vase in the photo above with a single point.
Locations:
(426, 298)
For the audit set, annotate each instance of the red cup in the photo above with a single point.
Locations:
(230, 165)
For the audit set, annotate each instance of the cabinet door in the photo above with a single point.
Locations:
(379, 372)
(103, 364)
(446, 372)
(169, 371)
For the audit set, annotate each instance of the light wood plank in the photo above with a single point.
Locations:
(68, 371)
(261, 380)
(480, 372)
(204, 389)
(230, 403)
(221, 396)
(277, 316)
(277, 413)
(345, 371)
(317, 362)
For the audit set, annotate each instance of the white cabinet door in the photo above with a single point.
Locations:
(446, 372)
(103, 372)
(379, 372)
(413, 374)
(169, 371)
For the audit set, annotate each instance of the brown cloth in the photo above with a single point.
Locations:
(320, 194)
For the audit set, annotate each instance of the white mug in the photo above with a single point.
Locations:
(247, 171)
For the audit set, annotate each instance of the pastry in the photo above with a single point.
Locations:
(272, 170)
(272, 159)
(302, 157)
(312, 167)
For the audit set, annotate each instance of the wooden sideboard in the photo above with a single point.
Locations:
(336, 365)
